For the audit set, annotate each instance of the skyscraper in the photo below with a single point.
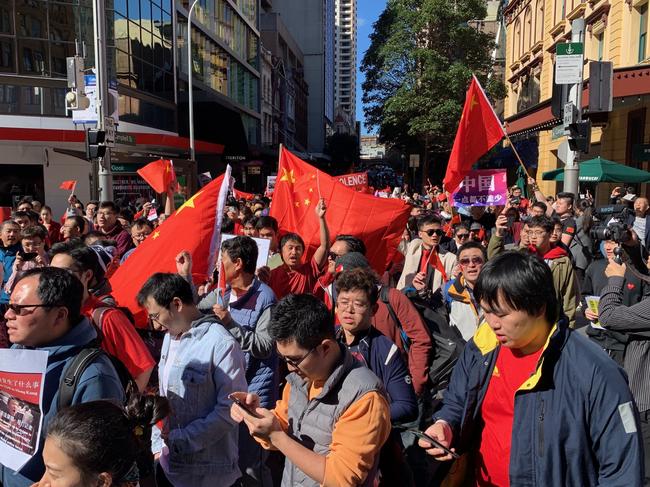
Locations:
(346, 61)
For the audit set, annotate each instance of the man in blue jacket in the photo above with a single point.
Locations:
(244, 308)
(44, 313)
(9, 247)
(536, 403)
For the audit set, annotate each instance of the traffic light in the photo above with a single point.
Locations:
(95, 143)
(580, 136)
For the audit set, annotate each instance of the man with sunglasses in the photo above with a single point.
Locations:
(44, 313)
(426, 266)
(333, 417)
(461, 236)
(464, 312)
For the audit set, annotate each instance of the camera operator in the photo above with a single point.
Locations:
(630, 326)
(518, 201)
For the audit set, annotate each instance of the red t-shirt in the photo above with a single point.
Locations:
(301, 280)
(497, 411)
(120, 338)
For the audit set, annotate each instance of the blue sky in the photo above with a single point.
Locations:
(367, 12)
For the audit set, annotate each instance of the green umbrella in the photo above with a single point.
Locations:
(600, 170)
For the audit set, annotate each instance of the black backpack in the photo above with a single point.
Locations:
(447, 341)
(73, 372)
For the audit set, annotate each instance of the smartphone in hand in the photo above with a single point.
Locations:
(433, 442)
(247, 409)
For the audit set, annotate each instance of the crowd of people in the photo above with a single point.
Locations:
(502, 346)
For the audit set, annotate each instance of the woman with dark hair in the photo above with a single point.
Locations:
(101, 444)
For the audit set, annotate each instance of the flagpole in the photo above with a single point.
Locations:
(74, 186)
(512, 146)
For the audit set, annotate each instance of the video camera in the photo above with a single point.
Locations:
(610, 223)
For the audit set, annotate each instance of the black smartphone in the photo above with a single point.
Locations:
(27, 255)
(435, 443)
(245, 407)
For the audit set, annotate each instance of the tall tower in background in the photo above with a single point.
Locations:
(345, 74)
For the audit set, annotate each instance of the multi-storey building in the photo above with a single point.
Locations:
(287, 88)
(616, 31)
(311, 23)
(345, 74)
(40, 145)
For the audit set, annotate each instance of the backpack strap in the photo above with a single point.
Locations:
(72, 374)
(384, 293)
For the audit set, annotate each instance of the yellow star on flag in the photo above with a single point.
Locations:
(307, 202)
(189, 203)
(473, 102)
(168, 168)
(288, 176)
(155, 235)
(311, 190)
(297, 204)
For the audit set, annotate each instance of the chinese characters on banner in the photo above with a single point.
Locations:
(22, 373)
(483, 187)
(356, 180)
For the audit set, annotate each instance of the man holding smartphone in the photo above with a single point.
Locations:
(538, 403)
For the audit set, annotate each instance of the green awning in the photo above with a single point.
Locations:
(600, 170)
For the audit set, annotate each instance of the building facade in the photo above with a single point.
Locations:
(287, 90)
(40, 146)
(616, 31)
(345, 74)
(311, 23)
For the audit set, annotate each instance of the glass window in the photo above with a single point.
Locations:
(147, 46)
(7, 55)
(62, 22)
(145, 12)
(32, 19)
(120, 7)
(33, 57)
(6, 17)
(134, 10)
(59, 51)
(136, 42)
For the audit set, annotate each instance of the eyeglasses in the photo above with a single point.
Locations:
(155, 317)
(18, 309)
(433, 231)
(345, 305)
(296, 363)
(462, 235)
(538, 233)
(473, 260)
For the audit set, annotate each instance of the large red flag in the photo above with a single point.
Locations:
(158, 174)
(479, 130)
(194, 227)
(379, 222)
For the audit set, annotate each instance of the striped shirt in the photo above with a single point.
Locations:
(634, 321)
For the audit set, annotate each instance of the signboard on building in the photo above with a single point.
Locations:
(569, 60)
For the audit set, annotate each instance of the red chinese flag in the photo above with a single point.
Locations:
(68, 185)
(158, 174)
(379, 222)
(479, 130)
(191, 228)
(242, 195)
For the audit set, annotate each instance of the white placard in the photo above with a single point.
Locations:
(263, 248)
(22, 379)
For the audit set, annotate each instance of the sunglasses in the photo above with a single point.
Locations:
(462, 235)
(473, 260)
(434, 231)
(295, 363)
(18, 308)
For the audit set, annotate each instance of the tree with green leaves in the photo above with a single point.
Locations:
(417, 69)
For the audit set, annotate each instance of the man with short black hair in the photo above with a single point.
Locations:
(244, 309)
(140, 230)
(540, 403)
(333, 417)
(24, 219)
(73, 227)
(108, 224)
(426, 266)
(45, 314)
(267, 227)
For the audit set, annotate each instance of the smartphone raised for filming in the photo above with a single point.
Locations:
(435, 443)
(245, 407)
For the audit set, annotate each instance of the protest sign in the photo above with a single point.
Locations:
(263, 248)
(484, 187)
(22, 374)
(270, 185)
(356, 180)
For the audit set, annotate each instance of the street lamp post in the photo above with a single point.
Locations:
(190, 94)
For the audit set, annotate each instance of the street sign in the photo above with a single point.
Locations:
(570, 115)
(569, 60)
(414, 160)
(109, 127)
(563, 151)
